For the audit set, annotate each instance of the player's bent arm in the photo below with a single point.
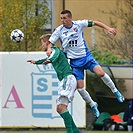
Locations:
(40, 61)
(100, 24)
(49, 49)
(54, 55)
(110, 30)
(50, 45)
(46, 62)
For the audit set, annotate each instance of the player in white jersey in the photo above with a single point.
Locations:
(70, 34)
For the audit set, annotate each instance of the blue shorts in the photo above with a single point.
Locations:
(85, 63)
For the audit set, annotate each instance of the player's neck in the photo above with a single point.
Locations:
(69, 25)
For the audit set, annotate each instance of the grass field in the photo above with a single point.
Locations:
(44, 131)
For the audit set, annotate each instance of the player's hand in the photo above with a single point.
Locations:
(31, 61)
(46, 62)
(112, 31)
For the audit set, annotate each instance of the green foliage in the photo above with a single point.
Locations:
(59, 131)
(122, 46)
(27, 15)
(105, 57)
(32, 130)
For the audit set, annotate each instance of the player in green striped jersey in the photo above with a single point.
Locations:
(67, 82)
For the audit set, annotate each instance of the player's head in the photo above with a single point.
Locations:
(45, 41)
(66, 18)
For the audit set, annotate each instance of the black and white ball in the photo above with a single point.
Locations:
(17, 35)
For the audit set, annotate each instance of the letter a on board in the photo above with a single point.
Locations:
(16, 99)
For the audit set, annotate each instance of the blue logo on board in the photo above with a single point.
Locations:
(45, 92)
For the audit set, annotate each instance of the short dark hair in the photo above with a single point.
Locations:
(67, 12)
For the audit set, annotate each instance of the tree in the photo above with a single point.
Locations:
(106, 57)
(123, 45)
(30, 16)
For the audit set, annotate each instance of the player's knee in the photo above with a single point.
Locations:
(99, 71)
(60, 108)
(100, 74)
(80, 83)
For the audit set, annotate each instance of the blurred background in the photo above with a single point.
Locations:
(37, 17)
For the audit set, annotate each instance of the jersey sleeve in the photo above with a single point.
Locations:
(54, 55)
(83, 23)
(55, 35)
(90, 23)
(40, 61)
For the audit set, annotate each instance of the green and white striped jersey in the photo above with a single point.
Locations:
(59, 62)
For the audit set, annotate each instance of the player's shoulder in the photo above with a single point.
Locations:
(80, 21)
(59, 28)
(56, 48)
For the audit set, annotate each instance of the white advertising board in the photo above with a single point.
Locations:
(28, 93)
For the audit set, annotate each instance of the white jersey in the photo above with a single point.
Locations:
(72, 39)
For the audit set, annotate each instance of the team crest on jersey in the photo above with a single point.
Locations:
(75, 29)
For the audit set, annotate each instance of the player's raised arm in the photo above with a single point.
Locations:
(38, 61)
(110, 30)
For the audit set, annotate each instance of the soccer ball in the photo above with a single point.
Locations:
(17, 35)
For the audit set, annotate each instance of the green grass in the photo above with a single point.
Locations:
(45, 131)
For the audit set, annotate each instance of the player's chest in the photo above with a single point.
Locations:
(70, 33)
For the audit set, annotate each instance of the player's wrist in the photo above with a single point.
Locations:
(34, 62)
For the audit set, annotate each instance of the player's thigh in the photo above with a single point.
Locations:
(78, 73)
(68, 83)
(80, 84)
(91, 63)
(67, 87)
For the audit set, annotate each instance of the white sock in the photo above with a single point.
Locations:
(129, 128)
(86, 96)
(107, 80)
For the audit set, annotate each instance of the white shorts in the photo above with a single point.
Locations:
(66, 88)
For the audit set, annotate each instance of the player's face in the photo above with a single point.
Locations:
(66, 20)
(44, 45)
